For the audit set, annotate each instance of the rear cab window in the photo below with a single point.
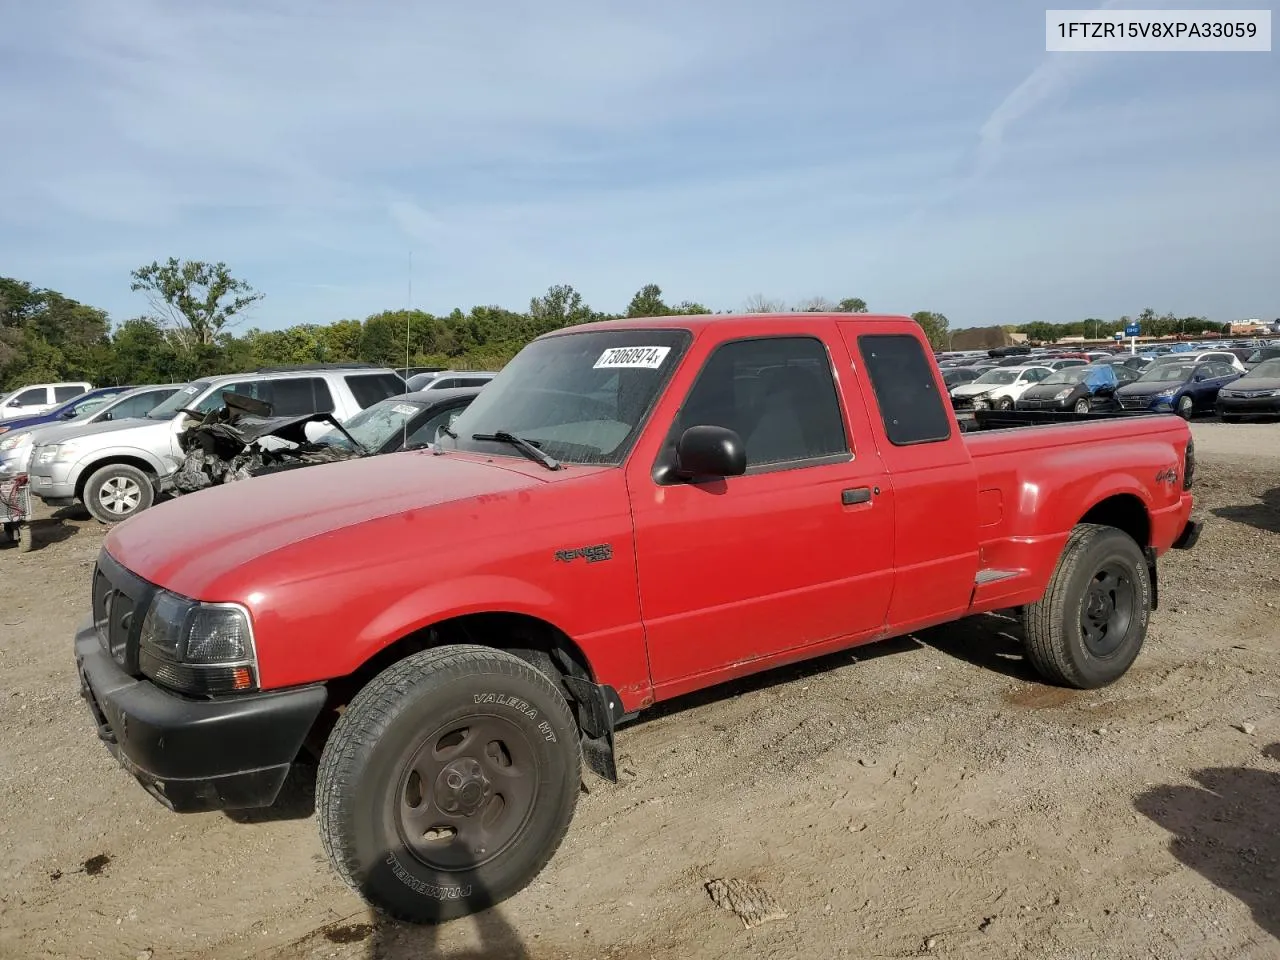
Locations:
(63, 394)
(906, 391)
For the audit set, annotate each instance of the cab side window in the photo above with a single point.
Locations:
(777, 394)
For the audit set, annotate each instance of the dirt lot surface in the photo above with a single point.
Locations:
(922, 797)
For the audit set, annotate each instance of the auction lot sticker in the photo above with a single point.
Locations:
(643, 358)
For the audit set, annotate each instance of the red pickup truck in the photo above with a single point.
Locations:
(630, 511)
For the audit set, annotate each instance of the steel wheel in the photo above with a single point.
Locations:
(120, 496)
(1107, 610)
(466, 793)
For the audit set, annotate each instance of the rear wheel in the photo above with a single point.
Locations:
(448, 782)
(24, 535)
(1088, 628)
(116, 492)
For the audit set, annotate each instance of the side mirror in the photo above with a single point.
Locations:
(67, 415)
(709, 451)
(106, 415)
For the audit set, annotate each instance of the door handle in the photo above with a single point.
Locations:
(855, 495)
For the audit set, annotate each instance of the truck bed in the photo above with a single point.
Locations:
(1050, 467)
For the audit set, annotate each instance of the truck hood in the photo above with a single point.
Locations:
(188, 543)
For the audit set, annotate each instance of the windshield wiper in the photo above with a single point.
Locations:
(527, 447)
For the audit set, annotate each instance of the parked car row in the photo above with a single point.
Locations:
(116, 449)
(1187, 383)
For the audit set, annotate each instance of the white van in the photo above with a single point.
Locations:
(39, 397)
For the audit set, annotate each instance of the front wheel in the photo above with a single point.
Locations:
(1082, 405)
(117, 491)
(1087, 629)
(1186, 406)
(448, 783)
(1004, 403)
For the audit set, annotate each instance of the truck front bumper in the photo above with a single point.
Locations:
(194, 755)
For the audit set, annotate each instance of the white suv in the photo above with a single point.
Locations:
(39, 397)
(112, 467)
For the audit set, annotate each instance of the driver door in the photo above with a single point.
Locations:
(795, 552)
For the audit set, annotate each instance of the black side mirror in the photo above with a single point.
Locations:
(707, 451)
(67, 414)
(107, 415)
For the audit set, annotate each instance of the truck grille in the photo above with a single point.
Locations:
(120, 602)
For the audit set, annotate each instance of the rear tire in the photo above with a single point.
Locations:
(25, 536)
(1088, 628)
(458, 738)
(117, 492)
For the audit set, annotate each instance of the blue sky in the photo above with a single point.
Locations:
(919, 155)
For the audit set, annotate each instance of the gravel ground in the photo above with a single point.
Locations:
(922, 797)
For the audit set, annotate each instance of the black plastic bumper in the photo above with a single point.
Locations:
(1189, 535)
(195, 755)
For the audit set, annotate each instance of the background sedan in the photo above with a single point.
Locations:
(1257, 393)
(1183, 388)
(1077, 389)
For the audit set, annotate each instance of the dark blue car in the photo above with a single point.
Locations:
(72, 408)
(1182, 388)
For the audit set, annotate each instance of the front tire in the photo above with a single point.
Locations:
(117, 491)
(1082, 405)
(448, 783)
(1004, 403)
(1088, 628)
(1186, 407)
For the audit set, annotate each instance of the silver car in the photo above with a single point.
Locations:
(113, 468)
(16, 446)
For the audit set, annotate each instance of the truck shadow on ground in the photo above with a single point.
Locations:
(1227, 829)
(1264, 515)
(482, 936)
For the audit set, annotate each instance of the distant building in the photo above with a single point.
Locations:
(983, 338)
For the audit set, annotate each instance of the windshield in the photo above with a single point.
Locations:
(1066, 375)
(183, 398)
(580, 397)
(1167, 373)
(998, 376)
(373, 426)
(1267, 370)
(1266, 353)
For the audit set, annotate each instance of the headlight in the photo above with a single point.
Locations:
(1167, 394)
(198, 648)
(10, 443)
(57, 452)
(1063, 394)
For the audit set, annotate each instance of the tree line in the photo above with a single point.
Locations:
(189, 330)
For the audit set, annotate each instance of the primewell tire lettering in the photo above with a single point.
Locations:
(426, 889)
(502, 700)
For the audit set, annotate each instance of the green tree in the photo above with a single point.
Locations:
(560, 306)
(852, 305)
(934, 326)
(197, 300)
(648, 303)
